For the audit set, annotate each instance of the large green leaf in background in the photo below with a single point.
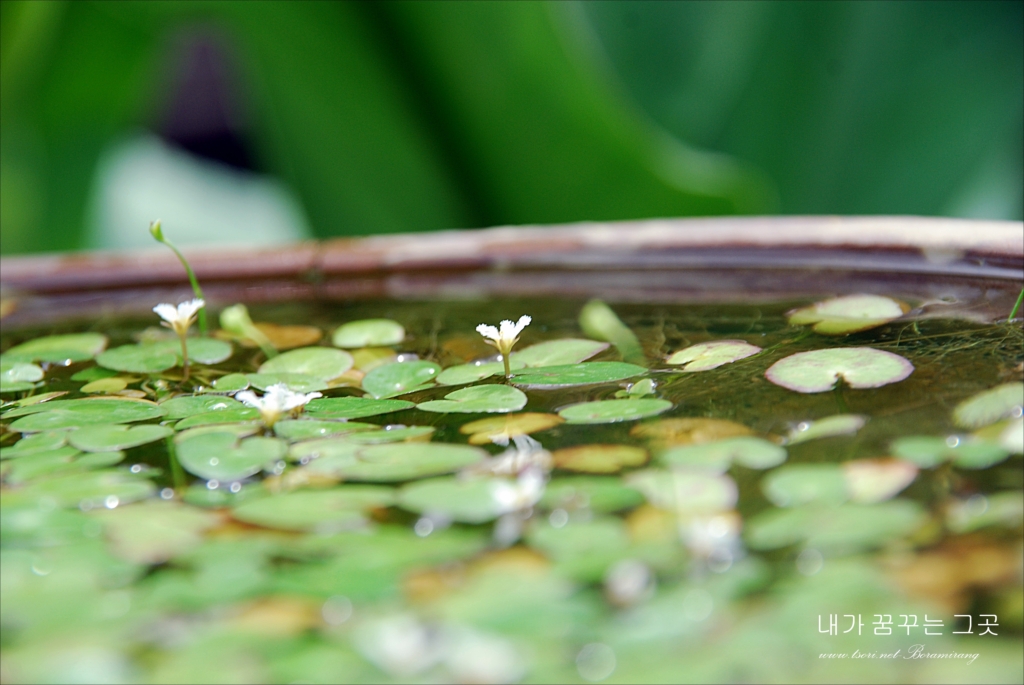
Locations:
(420, 116)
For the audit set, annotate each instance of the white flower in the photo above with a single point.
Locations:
(181, 317)
(521, 494)
(277, 400)
(504, 338)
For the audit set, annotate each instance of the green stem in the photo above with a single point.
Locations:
(157, 232)
(508, 371)
(177, 473)
(838, 392)
(1016, 306)
(184, 360)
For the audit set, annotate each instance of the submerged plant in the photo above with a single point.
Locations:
(180, 319)
(504, 338)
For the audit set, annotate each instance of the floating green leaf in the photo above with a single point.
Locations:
(501, 429)
(848, 314)
(221, 456)
(586, 373)
(223, 416)
(320, 510)
(875, 480)
(613, 411)
(105, 385)
(557, 352)
(600, 494)
(818, 370)
(754, 453)
(968, 453)
(37, 442)
(711, 355)
(999, 509)
(64, 460)
(232, 382)
(840, 424)
(296, 382)
(399, 378)
(476, 371)
(105, 488)
(182, 407)
(111, 437)
(200, 350)
(582, 550)
(1001, 402)
(75, 347)
(689, 492)
(599, 458)
(692, 431)
(489, 399)
(144, 358)
(353, 407)
(322, 363)
(155, 531)
(392, 434)
(599, 321)
(74, 413)
(464, 500)
(369, 333)
(200, 495)
(797, 484)
(16, 376)
(847, 528)
(309, 429)
(386, 463)
(93, 373)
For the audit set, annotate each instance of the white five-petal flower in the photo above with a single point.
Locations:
(181, 317)
(522, 493)
(504, 337)
(277, 400)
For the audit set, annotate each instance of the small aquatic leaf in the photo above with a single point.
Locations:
(489, 399)
(35, 399)
(586, 373)
(320, 510)
(557, 353)
(501, 429)
(601, 494)
(848, 314)
(155, 531)
(285, 337)
(798, 484)
(353, 407)
(928, 451)
(223, 416)
(16, 376)
(143, 358)
(93, 373)
(37, 442)
(686, 492)
(840, 424)
(1001, 402)
(223, 457)
(387, 463)
(669, 432)
(309, 429)
(105, 386)
(463, 500)
(754, 453)
(200, 495)
(369, 333)
(322, 363)
(875, 480)
(582, 550)
(599, 458)
(643, 387)
(233, 382)
(392, 434)
(399, 378)
(62, 461)
(89, 489)
(76, 347)
(112, 437)
(74, 413)
(296, 382)
(818, 370)
(613, 411)
(848, 527)
(200, 350)
(711, 355)
(599, 321)
(190, 405)
(471, 373)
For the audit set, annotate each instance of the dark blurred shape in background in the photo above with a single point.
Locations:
(273, 121)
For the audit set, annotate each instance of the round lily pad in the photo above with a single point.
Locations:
(1001, 402)
(613, 411)
(798, 484)
(353, 407)
(599, 458)
(690, 492)
(144, 358)
(65, 460)
(310, 429)
(182, 407)
(847, 528)
(320, 510)
(599, 493)
(399, 378)
(232, 382)
(468, 500)
(392, 434)
(848, 314)
(928, 451)
(323, 363)
(90, 489)
(155, 531)
(501, 429)
(395, 461)
(105, 385)
(369, 333)
(558, 352)
(875, 480)
(36, 442)
(222, 456)
(75, 347)
(200, 350)
(285, 337)
(74, 413)
(112, 437)
(484, 399)
(693, 431)
(18, 376)
(754, 453)
(818, 370)
(586, 373)
(471, 373)
(711, 355)
(831, 426)
(296, 382)
(221, 416)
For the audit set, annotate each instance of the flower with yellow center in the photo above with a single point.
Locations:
(276, 401)
(180, 319)
(504, 338)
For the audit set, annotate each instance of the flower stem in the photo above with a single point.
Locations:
(184, 359)
(508, 371)
(177, 473)
(157, 232)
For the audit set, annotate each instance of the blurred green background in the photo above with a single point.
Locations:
(272, 121)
